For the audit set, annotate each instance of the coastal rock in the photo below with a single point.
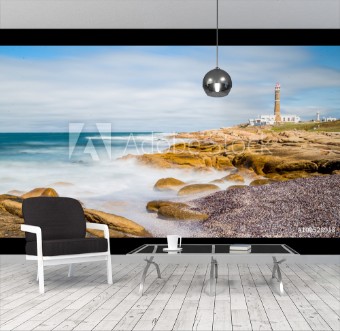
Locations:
(277, 177)
(11, 206)
(208, 162)
(264, 181)
(40, 192)
(234, 178)
(327, 167)
(173, 212)
(197, 188)
(168, 184)
(115, 222)
(307, 166)
(153, 206)
(237, 147)
(197, 147)
(261, 164)
(248, 173)
(10, 225)
(100, 234)
(336, 172)
(188, 155)
(223, 163)
(299, 174)
(10, 197)
(170, 160)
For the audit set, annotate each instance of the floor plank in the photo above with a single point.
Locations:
(329, 299)
(295, 319)
(313, 318)
(276, 316)
(245, 298)
(257, 313)
(322, 281)
(322, 272)
(167, 320)
(239, 310)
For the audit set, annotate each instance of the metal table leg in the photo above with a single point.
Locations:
(213, 273)
(148, 263)
(276, 269)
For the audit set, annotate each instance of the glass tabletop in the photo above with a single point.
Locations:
(216, 249)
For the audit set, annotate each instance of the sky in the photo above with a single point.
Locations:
(159, 88)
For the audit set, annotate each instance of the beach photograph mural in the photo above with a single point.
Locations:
(131, 134)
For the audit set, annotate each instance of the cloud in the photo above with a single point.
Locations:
(145, 89)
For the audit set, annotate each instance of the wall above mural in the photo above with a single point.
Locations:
(145, 151)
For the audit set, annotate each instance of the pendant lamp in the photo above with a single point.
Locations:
(217, 82)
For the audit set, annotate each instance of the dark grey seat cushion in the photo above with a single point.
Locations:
(68, 246)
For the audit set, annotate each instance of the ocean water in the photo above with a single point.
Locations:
(89, 167)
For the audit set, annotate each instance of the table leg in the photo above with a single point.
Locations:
(213, 274)
(148, 263)
(277, 270)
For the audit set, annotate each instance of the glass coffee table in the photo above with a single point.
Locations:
(277, 251)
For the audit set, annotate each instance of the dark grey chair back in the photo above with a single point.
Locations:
(58, 217)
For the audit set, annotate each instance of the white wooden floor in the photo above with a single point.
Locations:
(245, 299)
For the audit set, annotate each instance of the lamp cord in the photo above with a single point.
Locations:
(216, 33)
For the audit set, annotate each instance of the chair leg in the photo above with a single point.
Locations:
(70, 270)
(37, 274)
(41, 276)
(109, 269)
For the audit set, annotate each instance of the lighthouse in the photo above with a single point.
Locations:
(277, 112)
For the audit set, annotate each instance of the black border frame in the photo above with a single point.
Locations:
(166, 37)
(304, 246)
(179, 37)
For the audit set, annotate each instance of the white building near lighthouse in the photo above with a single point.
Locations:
(277, 117)
(270, 119)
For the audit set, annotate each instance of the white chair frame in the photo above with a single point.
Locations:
(68, 259)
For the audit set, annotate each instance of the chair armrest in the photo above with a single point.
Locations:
(37, 230)
(102, 227)
(31, 228)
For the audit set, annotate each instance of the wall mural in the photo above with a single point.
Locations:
(130, 133)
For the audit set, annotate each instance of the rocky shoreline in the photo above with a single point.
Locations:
(305, 207)
(241, 162)
(292, 162)
(11, 218)
(282, 155)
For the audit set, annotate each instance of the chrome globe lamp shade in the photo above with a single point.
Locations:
(217, 82)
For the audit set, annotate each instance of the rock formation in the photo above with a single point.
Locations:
(11, 218)
(116, 223)
(264, 151)
(40, 192)
(168, 184)
(174, 211)
(197, 188)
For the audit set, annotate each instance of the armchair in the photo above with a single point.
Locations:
(55, 230)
